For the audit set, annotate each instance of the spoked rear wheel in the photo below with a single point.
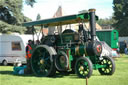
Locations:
(109, 64)
(42, 63)
(61, 62)
(83, 67)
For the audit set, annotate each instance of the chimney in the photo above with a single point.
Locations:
(92, 24)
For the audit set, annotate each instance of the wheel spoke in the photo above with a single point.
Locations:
(108, 69)
(41, 63)
(83, 67)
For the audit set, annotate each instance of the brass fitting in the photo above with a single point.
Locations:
(92, 10)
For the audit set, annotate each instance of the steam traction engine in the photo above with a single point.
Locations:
(70, 51)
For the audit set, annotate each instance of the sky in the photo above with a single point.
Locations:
(47, 8)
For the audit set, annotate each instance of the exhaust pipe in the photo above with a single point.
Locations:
(92, 24)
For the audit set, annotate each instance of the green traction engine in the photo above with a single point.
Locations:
(70, 51)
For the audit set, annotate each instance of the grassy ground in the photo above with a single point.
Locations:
(120, 77)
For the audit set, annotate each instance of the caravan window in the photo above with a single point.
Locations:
(115, 36)
(16, 46)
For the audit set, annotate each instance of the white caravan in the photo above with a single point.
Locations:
(12, 48)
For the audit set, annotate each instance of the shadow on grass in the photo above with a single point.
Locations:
(75, 76)
(6, 72)
(11, 73)
(57, 75)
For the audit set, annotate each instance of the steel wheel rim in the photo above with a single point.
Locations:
(108, 67)
(41, 62)
(82, 68)
(61, 62)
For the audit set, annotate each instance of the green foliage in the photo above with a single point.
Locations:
(107, 21)
(38, 17)
(121, 16)
(30, 2)
(16, 8)
(7, 28)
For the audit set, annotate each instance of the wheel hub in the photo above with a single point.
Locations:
(62, 59)
(42, 61)
(81, 68)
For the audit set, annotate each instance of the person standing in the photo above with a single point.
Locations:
(126, 50)
(125, 43)
(28, 70)
(125, 47)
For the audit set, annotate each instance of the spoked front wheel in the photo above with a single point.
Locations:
(42, 62)
(109, 64)
(83, 67)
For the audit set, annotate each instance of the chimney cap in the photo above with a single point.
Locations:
(92, 10)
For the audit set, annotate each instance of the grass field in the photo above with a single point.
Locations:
(120, 77)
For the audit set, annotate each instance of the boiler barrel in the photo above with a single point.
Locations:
(89, 49)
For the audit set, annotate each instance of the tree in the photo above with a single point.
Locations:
(121, 16)
(11, 16)
(8, 28)
(38, 17)
(106, 21)
(15, 6)
(30, 2)
(7, 15)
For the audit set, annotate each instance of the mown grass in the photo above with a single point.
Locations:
(120, 77)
